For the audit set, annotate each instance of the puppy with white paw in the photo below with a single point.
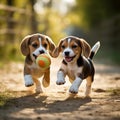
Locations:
(31, 47)
(77, 62)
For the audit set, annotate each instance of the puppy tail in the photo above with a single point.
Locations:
(94, 50)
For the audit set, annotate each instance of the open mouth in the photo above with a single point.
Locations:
(69, 59)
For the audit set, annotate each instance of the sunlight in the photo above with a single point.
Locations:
(39, 8)
(62, 6)
(71, 2)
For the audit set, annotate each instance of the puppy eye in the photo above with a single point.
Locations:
(74, 46)
(63, 47)
(34, 45)
(45, 45)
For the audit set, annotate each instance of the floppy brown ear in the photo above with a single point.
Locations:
(51, 45)
(57, 50)
(85, 48)
(24, 46)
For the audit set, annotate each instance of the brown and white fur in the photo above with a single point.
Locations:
(77, 62)
(31, 46)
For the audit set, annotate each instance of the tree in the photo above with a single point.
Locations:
(93, 12)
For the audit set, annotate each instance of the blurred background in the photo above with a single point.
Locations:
(93, 20)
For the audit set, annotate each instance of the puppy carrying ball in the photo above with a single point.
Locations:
(43, 61)
(36, 47)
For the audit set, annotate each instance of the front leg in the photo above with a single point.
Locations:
(27, 76)
(28, 80)
(75, 85)
(60, 77)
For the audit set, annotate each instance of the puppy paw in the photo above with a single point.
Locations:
(88, 91)
(28, 80)
(60, 78)
(75, 86)
(73, 89)
(29, 83)
(38, 89)
(60, 81)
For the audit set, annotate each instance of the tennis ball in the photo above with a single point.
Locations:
(43, 61)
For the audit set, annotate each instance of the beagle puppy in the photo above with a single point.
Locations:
(77, 62)
(31, 46)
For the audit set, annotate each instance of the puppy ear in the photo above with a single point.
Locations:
(51, 45)
(57, 50)
(85, 48)
(24, 46)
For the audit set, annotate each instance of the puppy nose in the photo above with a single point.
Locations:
(42, 51)
(35, 56)
(67, 53)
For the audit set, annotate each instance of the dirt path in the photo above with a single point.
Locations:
(56, 103)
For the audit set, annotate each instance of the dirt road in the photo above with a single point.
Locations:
(56, 103)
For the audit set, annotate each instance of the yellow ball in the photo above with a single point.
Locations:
(43, 61)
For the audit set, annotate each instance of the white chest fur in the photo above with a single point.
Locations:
(73, 71)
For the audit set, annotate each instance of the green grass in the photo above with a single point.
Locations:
(10, 53)
(9, 98)
(114, 92)
(4, 97)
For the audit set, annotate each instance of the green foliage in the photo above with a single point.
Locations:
(51, 25)
(18, 18)
(93, 12)
(10, 53)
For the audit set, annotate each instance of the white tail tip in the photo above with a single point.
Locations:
(96, 47)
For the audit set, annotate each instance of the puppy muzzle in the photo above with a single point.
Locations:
(69, 59)
(68, 56)
(40, 52)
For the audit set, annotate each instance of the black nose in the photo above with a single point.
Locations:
(67, 53)
(35, 56)
(42, 51)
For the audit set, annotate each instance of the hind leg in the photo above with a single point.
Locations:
(89, 81)
(46, 78)
(38, 86)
